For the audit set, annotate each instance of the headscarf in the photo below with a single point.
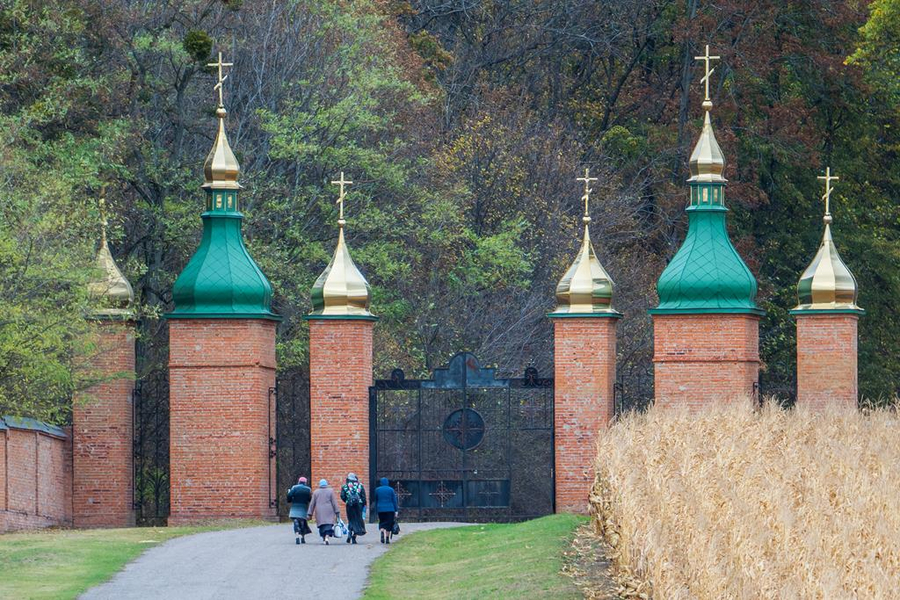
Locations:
(302, 480)
(323, 483)
(384, 481)
(352, 477)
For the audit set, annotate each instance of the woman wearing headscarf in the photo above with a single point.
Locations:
(354, 496)
(299, 496)
(324, 509)
(387, 508)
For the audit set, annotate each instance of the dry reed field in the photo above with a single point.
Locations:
(748, 504)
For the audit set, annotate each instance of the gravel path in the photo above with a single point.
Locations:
(257, 562)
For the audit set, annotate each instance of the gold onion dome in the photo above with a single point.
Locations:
(111, 290)
(221, 168)
(707, 162)
(827, 283)
(341, 290)
(586, 288)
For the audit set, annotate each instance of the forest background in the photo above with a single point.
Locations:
(463, 124)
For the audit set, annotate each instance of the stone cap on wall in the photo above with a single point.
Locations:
(10, 422)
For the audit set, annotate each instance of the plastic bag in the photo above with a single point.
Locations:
(340, 530)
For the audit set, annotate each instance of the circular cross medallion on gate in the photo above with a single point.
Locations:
(464, 428)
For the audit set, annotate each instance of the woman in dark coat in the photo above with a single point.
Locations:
(299, 496)
(354, 496)
(387, 508)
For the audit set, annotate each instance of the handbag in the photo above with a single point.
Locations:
(396, 529)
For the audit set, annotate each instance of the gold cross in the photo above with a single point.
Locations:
(828, 178)
(706, 58)
(587, 179)
(104, 223)
(341, 182)
(222, 77)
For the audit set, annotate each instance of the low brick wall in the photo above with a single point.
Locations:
(35, 475)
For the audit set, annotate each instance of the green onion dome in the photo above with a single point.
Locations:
(222, 280)
(707, 274)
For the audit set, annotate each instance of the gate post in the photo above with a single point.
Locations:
(102, 417)
(827, 319)
(706, 326)
(584, 330)
(221, 363)
(340, 367)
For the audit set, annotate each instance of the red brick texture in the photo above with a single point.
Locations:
(585, 372)
(221, 419)
(705, 359)
(340, 374)
(102, 421)
(35, 480)
(826, 360)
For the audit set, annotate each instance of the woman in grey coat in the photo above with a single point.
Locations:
(324, 509)
(299, 496)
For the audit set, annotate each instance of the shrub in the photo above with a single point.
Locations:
(738, 503)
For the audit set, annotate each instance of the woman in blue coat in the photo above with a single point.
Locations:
(387, 509)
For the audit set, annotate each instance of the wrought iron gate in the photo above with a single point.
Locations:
(292, 440)
(464, 445)
(151, 448)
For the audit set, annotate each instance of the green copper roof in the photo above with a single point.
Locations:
(706, 274)
(221, 280)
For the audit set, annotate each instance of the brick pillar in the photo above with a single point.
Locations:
(102, 422)
(826, 359)
(340, 374)
(705, 359)
(584, 402)
(221, 419)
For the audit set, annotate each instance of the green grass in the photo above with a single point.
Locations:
(520, 560)
(61, 564)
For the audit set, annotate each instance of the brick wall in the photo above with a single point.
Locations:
(340, 371)
(585, 372)
(220, 418)
(705, 359)
(827, 360)
(35, 479)
(102, 435)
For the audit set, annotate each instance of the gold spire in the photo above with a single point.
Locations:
(221, 168)
(707, 162)
(827, 283)
(111, 289)
(586, 288)
(341, 290)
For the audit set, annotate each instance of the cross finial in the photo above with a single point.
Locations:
(341, 182)
(104, 222)
(706, 58)
(587, 179)
(828, 178)
(221, 77)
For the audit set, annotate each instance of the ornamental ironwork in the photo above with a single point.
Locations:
(464, 445)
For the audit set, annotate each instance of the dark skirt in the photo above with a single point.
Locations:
(326, 530)
(355, 521)
(301, 527)
(386, 521)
